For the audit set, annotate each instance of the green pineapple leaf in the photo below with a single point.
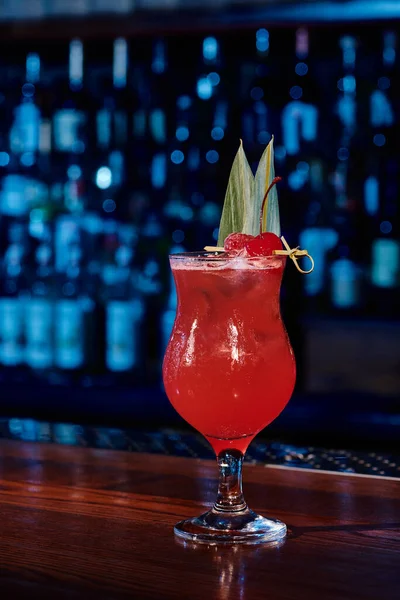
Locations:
(238, 198)
(264, 176)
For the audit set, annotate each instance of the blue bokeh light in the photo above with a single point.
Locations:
(204, 88)
(280, 152)
(210, 48)
(184, 102)
(343, 154)
(296, 92)
(109, 205)
(296, 180)
(347, 84)
(158, 65)
(379, 140)
(74, 172)
(257, 93)
(27, 159)
(103, 178)
(212, 156)
(28, 90)
(386, 227)
(177, 157)
(383, 83)
(301, 69)
(178, 236)
(217, 133)
(214, 78)
(303, 166)
(182, 133)
(262, 34)
(4, 159)
(389, 55)
(33, 66)
(262, 40)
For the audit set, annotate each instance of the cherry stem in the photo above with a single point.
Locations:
(273, 182)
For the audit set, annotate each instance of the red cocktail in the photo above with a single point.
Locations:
(229, 371)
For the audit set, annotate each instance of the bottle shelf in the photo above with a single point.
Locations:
(114, 153)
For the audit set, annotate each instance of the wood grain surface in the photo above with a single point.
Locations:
(79, 523)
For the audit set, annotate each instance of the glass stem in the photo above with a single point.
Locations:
(230, 495)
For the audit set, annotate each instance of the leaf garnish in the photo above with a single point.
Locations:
(238, 202)
(264, 176)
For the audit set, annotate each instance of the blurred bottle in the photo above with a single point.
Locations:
(67, 231)
(371, 195)
(24, 186)
(152, 281)
(74, 192)
(14, 197)
(12, 286)
(255, 91)
(69, 119)
(71, 135)
(39, 312)
(318, 241)
(384, 280)
(70, 325)
(140, 95)
(220, 120)
(104, 116)
(93, 227)
(151, 247)
(385, 269)
(120, 75)
(159, 87)
(382, 99)
(124, 309)
(208, 102)
(38, 77)
(112, 114)
(299, 121)
(183, 118)
(108, 172)
(25, 129)
(345, 282)
(112, 118)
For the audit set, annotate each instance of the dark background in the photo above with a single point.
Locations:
(104, 170)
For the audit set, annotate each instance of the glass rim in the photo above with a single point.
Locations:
(203, 256)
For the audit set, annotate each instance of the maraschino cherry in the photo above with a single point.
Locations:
(235, 242)
(263, 244)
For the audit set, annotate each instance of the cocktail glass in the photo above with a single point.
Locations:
(229, 371)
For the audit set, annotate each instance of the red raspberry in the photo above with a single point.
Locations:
(263, 244)
(235, 242)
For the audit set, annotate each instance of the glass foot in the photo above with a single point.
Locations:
(219, 527)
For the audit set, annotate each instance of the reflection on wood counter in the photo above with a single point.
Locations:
(83, 523)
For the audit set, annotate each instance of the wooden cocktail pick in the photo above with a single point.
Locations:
(293, 253)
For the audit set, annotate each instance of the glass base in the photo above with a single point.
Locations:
(219, 527)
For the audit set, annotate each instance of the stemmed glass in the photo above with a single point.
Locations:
(229, 371)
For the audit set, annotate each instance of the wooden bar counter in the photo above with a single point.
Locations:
(78, 523)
